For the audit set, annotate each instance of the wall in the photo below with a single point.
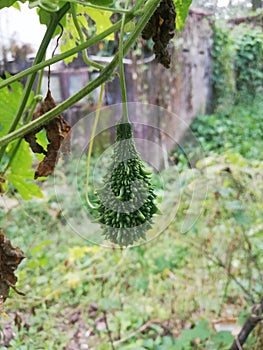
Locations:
(185, 89)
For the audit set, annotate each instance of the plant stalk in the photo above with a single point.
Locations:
(125, 117)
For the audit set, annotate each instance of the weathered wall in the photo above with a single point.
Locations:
(185, 89)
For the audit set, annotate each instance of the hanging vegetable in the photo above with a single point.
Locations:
(127, 197)
(10, 258)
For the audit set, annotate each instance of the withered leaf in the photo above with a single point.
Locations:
(161, 28)
(10, 258)
(2, 181)
(56, 131)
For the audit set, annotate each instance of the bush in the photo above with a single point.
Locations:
(237, 128)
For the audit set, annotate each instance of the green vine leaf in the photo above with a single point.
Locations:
(9, 98)
(6, 3)
(44, 18)
(182, 7)
(21, 174)
(102, 19)
(26, 189)
(9, 102)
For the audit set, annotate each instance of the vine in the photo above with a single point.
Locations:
(237, 64)
(223, 67)
(249, 63)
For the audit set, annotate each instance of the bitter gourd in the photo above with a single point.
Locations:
(126, 201)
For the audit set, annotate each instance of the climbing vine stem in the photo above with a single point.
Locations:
(125, 117)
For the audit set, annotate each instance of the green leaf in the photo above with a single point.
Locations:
(223, 338)
(44, 16)
(234, 205)
(41, 140)
(39, 248)
(69, 41)
(6, 3)
(20, 174)
(182, 7)
(22, 161)
(20, 169)
(26, 189)
(10, 97)
(9, 100)
(200, 331)
(102, 19)
(16, 5)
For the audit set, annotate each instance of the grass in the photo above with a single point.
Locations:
(161, 295)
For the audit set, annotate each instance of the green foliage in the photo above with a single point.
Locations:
(162, 295)
(7, 3)
(238, 128)
(249, 63)
(71, 36)
(222, 340)
(102, 20)
(9, 100)
(233, 228)
(201, 337)
(237, 64)
(19, 175)
(223, 67)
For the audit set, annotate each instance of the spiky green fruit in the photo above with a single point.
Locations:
(126, 201)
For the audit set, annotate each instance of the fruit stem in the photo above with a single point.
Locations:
(125, 117)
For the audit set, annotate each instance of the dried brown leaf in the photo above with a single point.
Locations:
(10, 258)
(56, 131)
